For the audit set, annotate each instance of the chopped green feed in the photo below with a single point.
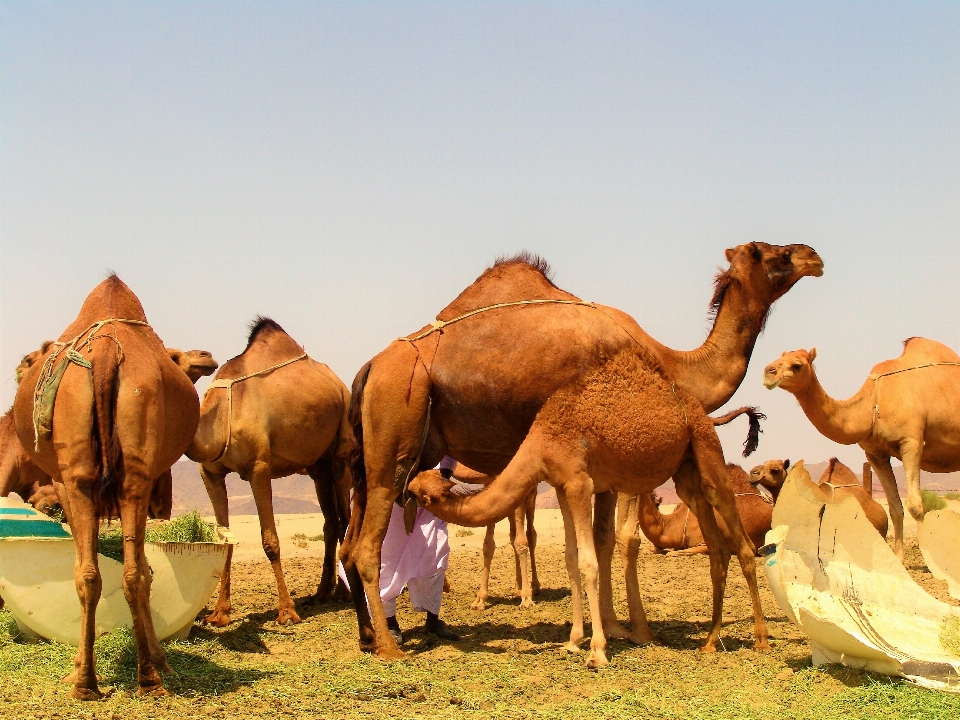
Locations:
(950, 634)
(186, 528)
(932, 501)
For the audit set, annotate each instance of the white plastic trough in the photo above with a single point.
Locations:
(36, 579)
(835, 577)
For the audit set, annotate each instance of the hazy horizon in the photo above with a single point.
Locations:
(348, 169)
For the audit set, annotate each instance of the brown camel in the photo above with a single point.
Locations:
(836, 483)
(272, 412)
(471, 384)
(906, 409)
(19, 474)
(680, 531)
(623, 427)
(523, 539)
(123, 414)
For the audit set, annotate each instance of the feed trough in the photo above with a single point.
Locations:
(36, 579)
(835, 577)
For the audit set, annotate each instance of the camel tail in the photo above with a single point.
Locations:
(753, 434)
(106, 382)
(355, 418)
(342, 465)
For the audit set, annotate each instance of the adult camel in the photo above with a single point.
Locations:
(625, 427)
(123, 414)
(836, 483)
(270, 412)
(470, 385)
(907, 409)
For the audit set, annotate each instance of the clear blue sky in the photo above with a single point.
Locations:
(348, 168)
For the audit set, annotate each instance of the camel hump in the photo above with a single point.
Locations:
(521, 277)
(838, 475)
(917, 351)
(739, 479)
(110, 299)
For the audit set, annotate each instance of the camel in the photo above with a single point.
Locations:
(836, 483)
(123, 414)
(906, 409)
(623, 427)
(680, 532)
(271, 412)
(523, 539)
(470, 385)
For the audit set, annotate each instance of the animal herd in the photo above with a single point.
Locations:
(518, 380)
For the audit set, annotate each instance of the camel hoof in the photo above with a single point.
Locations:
(645, 639)
(288, 618)
(708, 649)
(391, 654)
(153, 691)
(479, 604)
(762, 646)
(218, 618)
(527, 603)
(597, 659)
(572, 648)
(85, 694)
(616, 631)
(536, 589)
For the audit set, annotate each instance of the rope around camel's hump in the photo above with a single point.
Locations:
(876, 384)
(228, 384)
(48, 382)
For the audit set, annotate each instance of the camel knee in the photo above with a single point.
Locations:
(271, 548)
(88, 581)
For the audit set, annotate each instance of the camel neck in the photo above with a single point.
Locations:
(843, 421)
(713, 372)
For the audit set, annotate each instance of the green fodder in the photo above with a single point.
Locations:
(951, 496)
(950, 634)
(932, 501)
(186, 528)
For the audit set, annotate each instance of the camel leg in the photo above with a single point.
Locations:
(715, 483)
(489, 547)
(696, 550)
(151, 658)
(323, 483)
(86, 574)
(911, 452)
(518, 539)
(347, 547)
(531, 506)
(217, 491)
(579, 492)
(573, 571)
(262, 489)
(604, 513)
(881, 466)
(628, 541)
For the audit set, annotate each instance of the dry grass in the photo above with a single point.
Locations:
(509, 664)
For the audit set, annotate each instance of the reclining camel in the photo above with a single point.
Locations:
(679, 532)
(470, 385)
(623, 427)
(106, 438)
(836, 483)
(272, 412)
(907, 409)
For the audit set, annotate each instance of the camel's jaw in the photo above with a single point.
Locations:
(772, 381)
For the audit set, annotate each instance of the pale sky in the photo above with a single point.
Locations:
(348, 168)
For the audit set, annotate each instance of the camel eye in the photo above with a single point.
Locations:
(795, 367)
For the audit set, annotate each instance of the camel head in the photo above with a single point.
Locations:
(430, 487)
(793, 371)
(29, 360)
(195, 363)
(771, 474)
(772, 269)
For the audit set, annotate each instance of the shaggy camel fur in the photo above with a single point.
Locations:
(116, 426)
(523, 539)
(19, 474)
(290, 420)
(680, 532)
(624, 427)
(483, 379)
(907, 409)
(836, 483)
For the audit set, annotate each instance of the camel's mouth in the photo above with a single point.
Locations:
(772, 383)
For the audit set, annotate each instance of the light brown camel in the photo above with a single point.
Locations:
(836, 483)
(907, 409)
(470, 385)
(523, 539)
(123, 414)
(623, 427)
(680, 531)
(272, 412)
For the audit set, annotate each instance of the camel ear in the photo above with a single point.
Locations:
(175, 355)
(786, 464)
(729, 254)
(46, 345)
(812, 354)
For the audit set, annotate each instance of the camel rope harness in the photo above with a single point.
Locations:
(228, 384)
(48, 382)
(876, 384)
